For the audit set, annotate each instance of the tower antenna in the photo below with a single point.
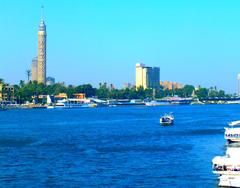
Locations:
(42, 12)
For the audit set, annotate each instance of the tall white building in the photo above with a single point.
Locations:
(147, 77)
(238, 88)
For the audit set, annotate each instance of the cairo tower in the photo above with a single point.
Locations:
(42, 39)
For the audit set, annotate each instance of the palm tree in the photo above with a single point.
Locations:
(28, 73)
(21, 83)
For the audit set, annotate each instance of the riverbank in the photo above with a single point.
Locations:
(40, 106)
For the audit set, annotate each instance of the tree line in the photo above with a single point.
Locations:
(25, 91)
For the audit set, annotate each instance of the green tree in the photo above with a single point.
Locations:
(187, 90)
(88, 89)
(1, 81)
(21, 83)
(221, 93)
(202, 93)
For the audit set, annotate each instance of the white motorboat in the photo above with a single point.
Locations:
(74, 103)
(228, 168)
(167, 119)
(157, 103)
(228, 164)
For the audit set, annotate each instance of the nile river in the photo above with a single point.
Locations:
(112, 147)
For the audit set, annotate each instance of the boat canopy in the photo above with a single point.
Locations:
(234, 123)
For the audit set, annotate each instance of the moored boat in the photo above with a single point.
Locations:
(74, 103)
(157, 103)
(228, 164)
(228, 168)
(229, 181)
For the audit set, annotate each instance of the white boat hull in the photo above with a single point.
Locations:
(229, 181)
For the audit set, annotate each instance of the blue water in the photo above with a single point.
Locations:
(112, 147)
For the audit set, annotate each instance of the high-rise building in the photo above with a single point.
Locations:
(42, 39)
(34, 69)
(171, 85)
(238, 79)
(147, 77)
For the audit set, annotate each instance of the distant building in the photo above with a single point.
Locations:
(147, 77)
(127, 85)
(34, 69)
(50, 81)
(6, 92)
(1, 88)
(171, 85)
(238, 79)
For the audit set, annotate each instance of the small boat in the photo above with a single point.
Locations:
(167, 119)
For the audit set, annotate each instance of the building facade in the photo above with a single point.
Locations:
(42, 45)
(147, 77)
(1, 89)
(6, 92)
(34, 69)
(238, 84)
(171, 85)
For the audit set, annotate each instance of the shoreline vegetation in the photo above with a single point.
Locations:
(31, 94)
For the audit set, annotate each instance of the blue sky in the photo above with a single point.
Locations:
(194, 42)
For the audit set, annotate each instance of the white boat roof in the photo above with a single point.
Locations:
(234, 123)
(98, 100)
